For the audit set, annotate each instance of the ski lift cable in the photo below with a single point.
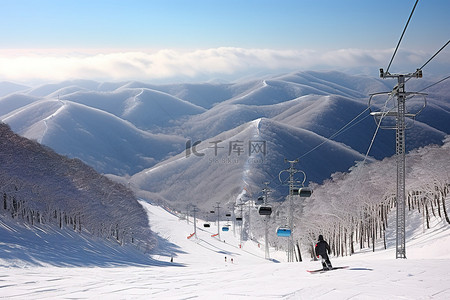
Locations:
(342, 129)
(434, 84)
(359, 170)
(442, 48)
(401, 37)
(356, 123)
(378, 127)
(431, 58)
(385, 112)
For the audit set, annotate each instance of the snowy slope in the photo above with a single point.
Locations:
(50, 88)
(15, 101)
(24, 246)
(199, 269)
(9, 87)
(145, 108)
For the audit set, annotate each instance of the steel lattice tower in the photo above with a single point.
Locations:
(400, 155)
(266, 191)
(291, 182)
(292, 171)
(400, 116)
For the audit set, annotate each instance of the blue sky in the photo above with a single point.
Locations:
(173, 35)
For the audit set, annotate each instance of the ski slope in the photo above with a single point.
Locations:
(199, 270)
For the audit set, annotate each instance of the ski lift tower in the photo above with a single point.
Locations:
(400, 126)
(266, 192)
(218, 219)
(294, 189)
(195, 210)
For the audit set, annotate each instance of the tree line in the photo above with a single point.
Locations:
(352, 209)
(39, 186)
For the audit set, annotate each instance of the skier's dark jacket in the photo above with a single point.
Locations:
(322, 247)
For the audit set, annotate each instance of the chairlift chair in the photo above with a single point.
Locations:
(305, 192)
(284, 231)
(265, 210)
(302, 192)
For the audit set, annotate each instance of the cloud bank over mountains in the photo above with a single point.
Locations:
(168, 65)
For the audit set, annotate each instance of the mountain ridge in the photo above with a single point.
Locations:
(136, 126)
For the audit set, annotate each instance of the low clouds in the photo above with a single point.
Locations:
(171, 65)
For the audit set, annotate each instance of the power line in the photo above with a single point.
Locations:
(401, 37)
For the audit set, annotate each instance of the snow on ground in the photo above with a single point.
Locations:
(199, 269)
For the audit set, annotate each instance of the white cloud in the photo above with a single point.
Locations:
(170, 64)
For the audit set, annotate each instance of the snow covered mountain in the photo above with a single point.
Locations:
(39, 186)
(238, 161)
(142, 130)
(99, 138)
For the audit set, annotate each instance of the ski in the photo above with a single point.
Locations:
(323, 271)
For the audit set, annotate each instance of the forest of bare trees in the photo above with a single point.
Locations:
(352, 209)
(39, 186)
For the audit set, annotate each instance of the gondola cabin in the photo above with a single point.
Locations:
(265, 210)
(284, 231)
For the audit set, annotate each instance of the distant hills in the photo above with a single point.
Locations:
(152, 136)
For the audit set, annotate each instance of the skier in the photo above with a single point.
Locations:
(323, 249)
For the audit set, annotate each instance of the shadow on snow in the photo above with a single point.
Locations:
(21, 245)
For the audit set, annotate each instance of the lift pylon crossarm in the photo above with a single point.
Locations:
(393, 112)
(390, 114)
(416, 74)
